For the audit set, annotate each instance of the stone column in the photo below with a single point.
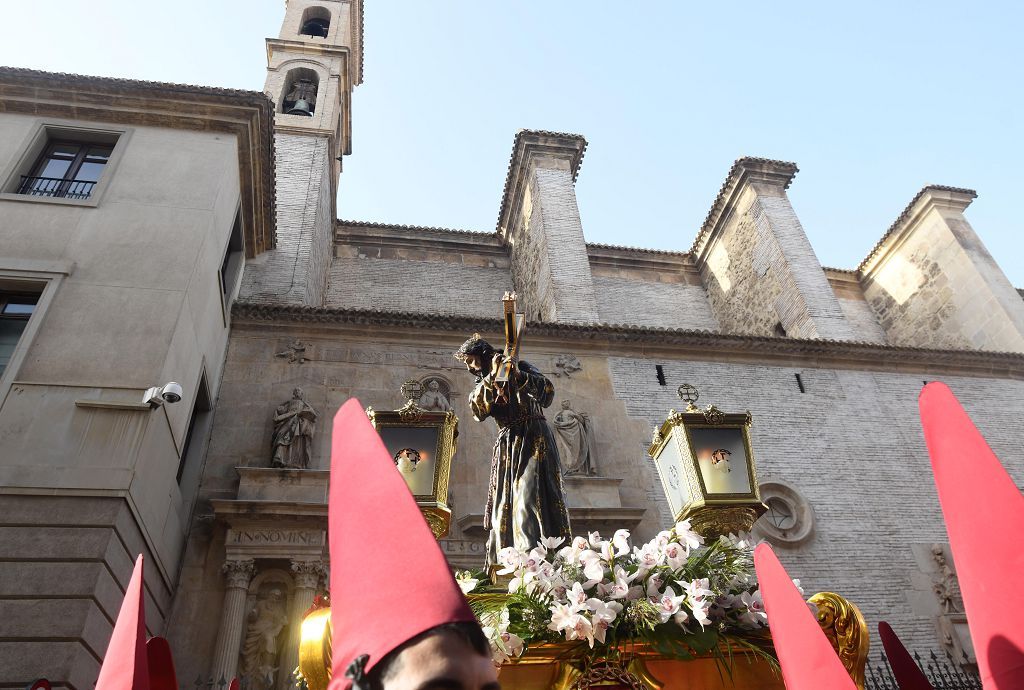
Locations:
(307, 581)
(238, 573)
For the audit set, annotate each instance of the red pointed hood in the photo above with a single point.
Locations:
(124, 665)
(389, 579)
(161, 665)
(807, 659)
(984, 513)
(909, 675)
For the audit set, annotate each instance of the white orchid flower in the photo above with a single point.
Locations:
(680, 618)
(551, 543)
(604, 610)
(580, 629)
(676, 555)
(593, 570)
(467, 583)
(562, 616)
(668, 603)
(577, 597)
(620, 540)
(620, 587)
(686, 536)
(595, 540)
(755, 615)
(571, 554)
(648, 557)
(512, 643)
(510, 559)
(653, 588)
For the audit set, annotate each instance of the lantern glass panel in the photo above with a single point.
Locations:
(670, 469)
(722, 457)
(414, 450)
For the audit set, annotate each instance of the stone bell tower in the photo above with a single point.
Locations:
(312, 68)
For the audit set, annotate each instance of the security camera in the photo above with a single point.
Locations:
(170, 392)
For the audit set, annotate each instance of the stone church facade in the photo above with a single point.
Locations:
(828, 361)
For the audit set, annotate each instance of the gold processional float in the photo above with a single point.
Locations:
(706, 466)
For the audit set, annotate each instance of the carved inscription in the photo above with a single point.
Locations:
(258, 537)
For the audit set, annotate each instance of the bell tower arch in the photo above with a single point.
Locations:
(313, 65)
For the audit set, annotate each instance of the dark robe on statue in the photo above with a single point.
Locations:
(525, 498)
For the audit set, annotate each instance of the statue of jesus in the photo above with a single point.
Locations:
(525, 498)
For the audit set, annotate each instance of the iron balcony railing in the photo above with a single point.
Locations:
(942, 672)
(55, 187)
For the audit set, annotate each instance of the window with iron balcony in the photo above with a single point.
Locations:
(67, 170)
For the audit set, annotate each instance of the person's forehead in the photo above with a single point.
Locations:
(444, 656)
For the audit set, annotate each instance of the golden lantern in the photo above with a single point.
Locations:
(706, 466)
(422, 443)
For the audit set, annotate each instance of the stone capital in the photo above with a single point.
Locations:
(534, 149)
(308, 573)
(238, 573)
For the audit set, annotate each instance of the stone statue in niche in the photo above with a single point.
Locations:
(294, 425)
(945, 584)
(260, 649)
(574, 433)
(433, 398)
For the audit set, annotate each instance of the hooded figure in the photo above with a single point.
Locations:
(398, 617)
(525, 497)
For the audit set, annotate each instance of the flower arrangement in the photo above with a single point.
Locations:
(678, 594)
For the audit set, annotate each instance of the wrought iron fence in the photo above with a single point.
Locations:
(55, 187)
(942, 672)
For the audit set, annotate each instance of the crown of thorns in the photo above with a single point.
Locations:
(475, 345)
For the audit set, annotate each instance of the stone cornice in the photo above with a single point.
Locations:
(744, 171)
(931, 196)
(248, 115)
(616, 340)
(530, 144)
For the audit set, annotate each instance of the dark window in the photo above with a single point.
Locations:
(15, 311)
(197, 424)
(67, 170)
(231, 265)
(800, 383)
(661, 374)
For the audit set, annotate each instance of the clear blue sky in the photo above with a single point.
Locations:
(873, 100)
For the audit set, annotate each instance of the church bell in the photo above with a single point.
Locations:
(301, 107)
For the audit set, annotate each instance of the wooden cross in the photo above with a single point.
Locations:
(515, 324)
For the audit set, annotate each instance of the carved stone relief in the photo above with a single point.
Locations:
(567, 365)
(295, 352)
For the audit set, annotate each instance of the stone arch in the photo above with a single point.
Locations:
(445, 387)
(316, 21)
(301, 86)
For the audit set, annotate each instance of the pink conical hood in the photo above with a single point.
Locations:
(984, 513)
(125, 664)
(389, 579)
(807, 659)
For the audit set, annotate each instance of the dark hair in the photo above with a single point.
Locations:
(469, 632)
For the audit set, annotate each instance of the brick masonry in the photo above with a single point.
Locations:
(763, 277)
(295, 272)
(852, 445)
(647, 303)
